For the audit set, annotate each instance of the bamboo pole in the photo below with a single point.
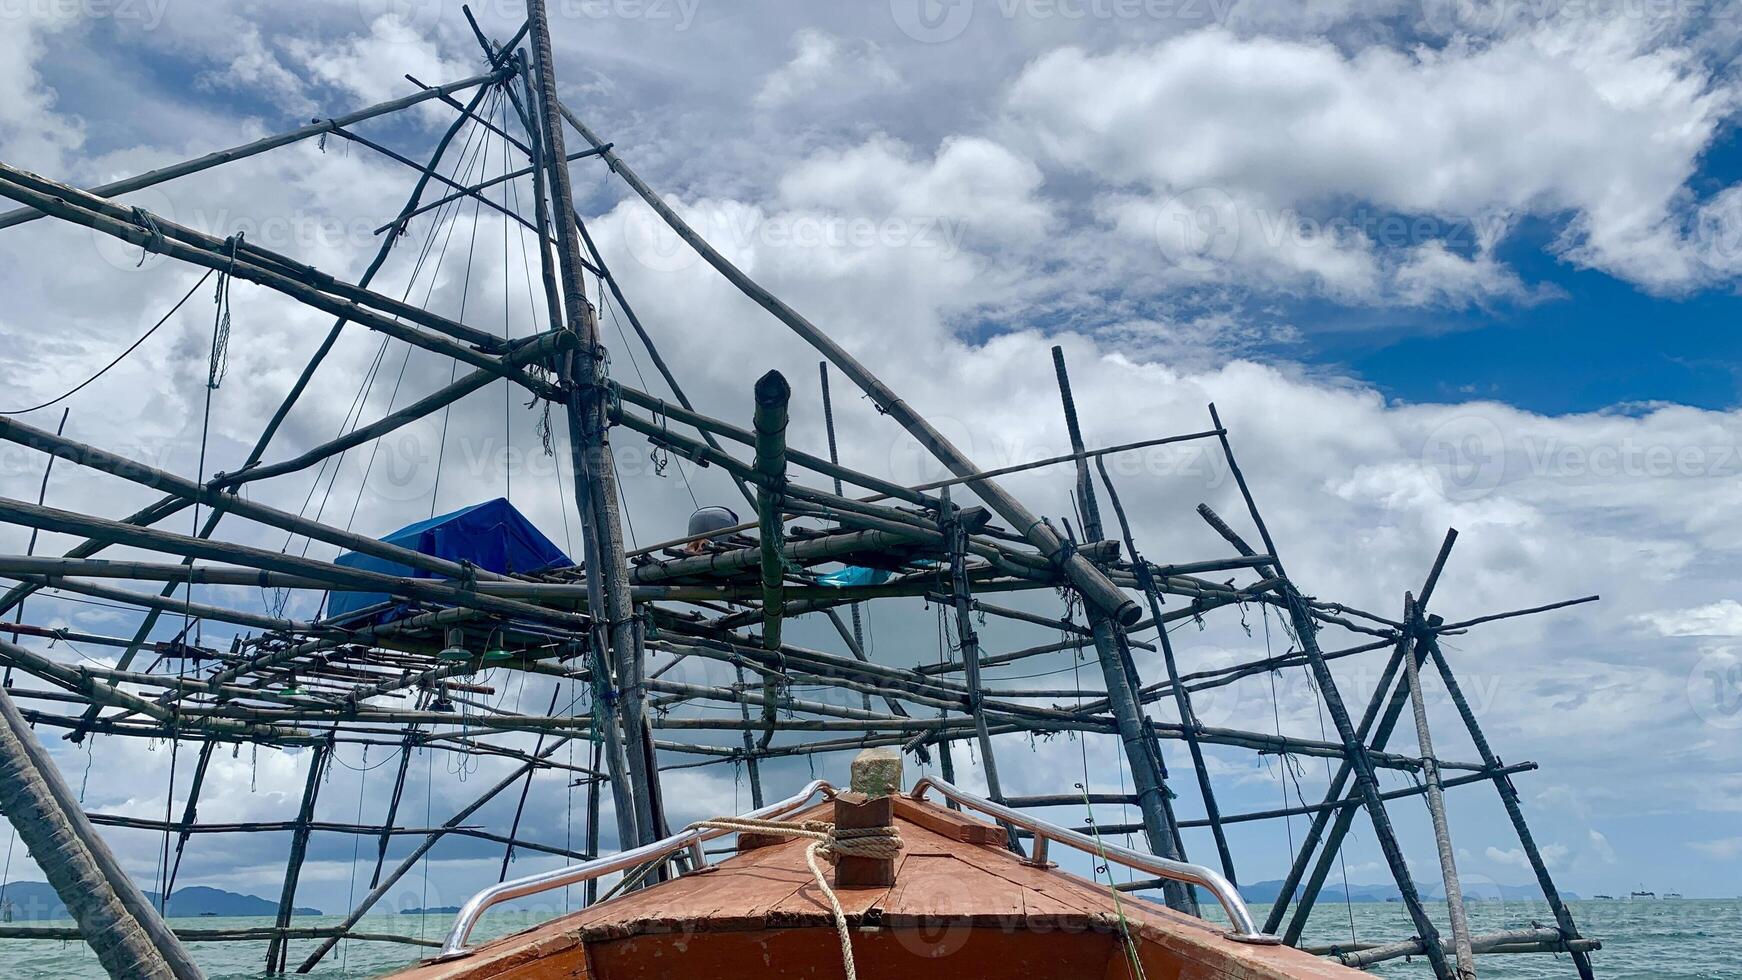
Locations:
(1436, 805)
(431, 590)
(253, 263)
(12, 430)
(591, 462)
(1514, 811)
(1381, 735)
(151, 178)
(277, 949)
(127, 935)
(190, 812)
(1182, 699)
(1094, 585)
(410, 861)
(773, 394)
(258, 451)
(1142, 754)
(858, 636)
(1357, 753)
(955, 537)
(532, 349)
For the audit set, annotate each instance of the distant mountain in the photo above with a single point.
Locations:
(1268, 891)
(33, 900)
(444, 910)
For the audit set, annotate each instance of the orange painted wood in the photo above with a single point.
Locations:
(958, 910)
(949, 823)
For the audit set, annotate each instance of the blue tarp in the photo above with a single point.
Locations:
(491, 535)
(854, 575)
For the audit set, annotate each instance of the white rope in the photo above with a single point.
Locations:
(829, 841)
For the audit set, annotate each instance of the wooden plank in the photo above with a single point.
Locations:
(948, 823)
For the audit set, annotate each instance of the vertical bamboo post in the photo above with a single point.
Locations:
(1141, 752)
(1182, 698)
(387, 822)
(1380, 737)
(277, 950)
(835, 458)
(773, 394)
(592, 890)
(1096, 588)
(1384, 695)
(126, 933)
(751, 766)
(188, 815)
(525, 791)
(956, 546)
(1436, 806)
(1354, 749)
(1509, 798)
(594, 469)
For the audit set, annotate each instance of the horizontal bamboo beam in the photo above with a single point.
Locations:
(242, 151)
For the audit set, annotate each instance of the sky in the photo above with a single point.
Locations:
(1450, 265)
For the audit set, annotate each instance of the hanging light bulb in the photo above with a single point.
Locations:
(290, 687)
(495, 650)
(454, 650)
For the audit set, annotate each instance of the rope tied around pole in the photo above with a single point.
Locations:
(155, 243)
(827, 841)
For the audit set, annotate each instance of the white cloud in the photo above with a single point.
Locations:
(826, 69)
(1722, 849)
(993, 193)
(1595, 118)
(1552, 855)
(372, 66)
(36, 131)
(1357, 488)
(1721, 618)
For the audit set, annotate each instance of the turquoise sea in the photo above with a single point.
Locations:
(1660, 940)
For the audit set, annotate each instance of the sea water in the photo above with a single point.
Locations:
(1670, 939)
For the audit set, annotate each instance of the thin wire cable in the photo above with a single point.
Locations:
(119, 357)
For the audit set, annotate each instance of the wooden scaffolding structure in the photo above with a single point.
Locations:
(721, 598)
